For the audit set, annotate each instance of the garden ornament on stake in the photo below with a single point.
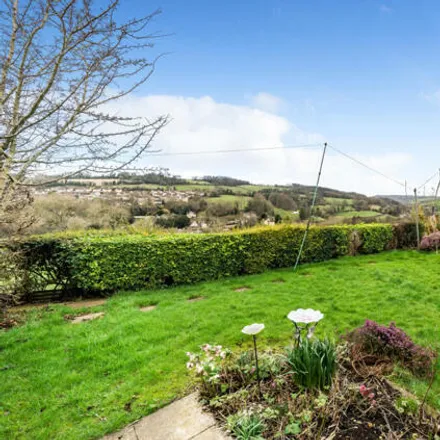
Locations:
(253, 330)
(307, 317)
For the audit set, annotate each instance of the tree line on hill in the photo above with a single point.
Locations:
(276, 203)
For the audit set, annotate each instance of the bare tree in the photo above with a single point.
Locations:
(64, 65)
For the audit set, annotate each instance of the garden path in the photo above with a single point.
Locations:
(182, 420)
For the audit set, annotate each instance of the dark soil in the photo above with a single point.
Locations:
(196, 298)
(242, 289)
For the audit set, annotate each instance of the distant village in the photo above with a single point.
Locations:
(121, 194)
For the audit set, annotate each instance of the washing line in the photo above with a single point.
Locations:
(235, 150)
(367, 166)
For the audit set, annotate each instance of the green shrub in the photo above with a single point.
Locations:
(282, 201)
(103, 261)
(173, 221)
(375, 239)
(260, 206)
(222, 209)
(177, 207)
(313, 363)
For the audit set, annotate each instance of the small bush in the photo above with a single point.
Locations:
(431, 242)
(405, 235)
(282, 201)
(173, 221)
(260, 206)
(222, 209)
(313, 363)
(197, 204)
(393, 342)
(177, 207)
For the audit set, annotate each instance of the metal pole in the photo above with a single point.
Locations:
(416, 208)
(436, 194)
(311, 209)
(256, 365)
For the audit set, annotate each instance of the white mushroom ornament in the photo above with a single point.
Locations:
(253, 330)
(307, 317)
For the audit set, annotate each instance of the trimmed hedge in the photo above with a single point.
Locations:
(114, 262)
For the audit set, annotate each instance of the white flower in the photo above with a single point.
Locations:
(252, 329)
(189, 365)
(206, 348)
(305, 316)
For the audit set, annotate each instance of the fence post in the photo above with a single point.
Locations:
(416, 208)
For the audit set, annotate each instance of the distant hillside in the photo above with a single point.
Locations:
(210, 203)
(406, 200)
(158, 180)
(213, 186)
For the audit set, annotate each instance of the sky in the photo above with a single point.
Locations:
(362, 75)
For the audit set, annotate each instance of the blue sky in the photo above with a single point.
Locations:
(362, 74)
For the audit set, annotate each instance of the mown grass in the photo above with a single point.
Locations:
(66, 381)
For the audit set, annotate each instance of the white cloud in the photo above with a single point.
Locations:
(433, 97)
(202, 124)
(385, 9)
(267, 102)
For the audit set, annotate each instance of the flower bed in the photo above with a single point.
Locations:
(312, 389)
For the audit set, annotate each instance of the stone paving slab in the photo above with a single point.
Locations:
(182, 420)
(126, 434)
(213, 433)
(89, 317)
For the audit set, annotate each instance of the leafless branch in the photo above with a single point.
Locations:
(63, 64)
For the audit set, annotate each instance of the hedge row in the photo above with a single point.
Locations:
(109, 263)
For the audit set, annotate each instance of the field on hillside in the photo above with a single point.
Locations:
(242, 201)
(66, 381)
(349, 214)
(338, 200)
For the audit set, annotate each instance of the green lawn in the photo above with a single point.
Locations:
(66, 381)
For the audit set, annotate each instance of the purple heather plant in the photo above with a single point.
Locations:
(394, 342)
(431, 242)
